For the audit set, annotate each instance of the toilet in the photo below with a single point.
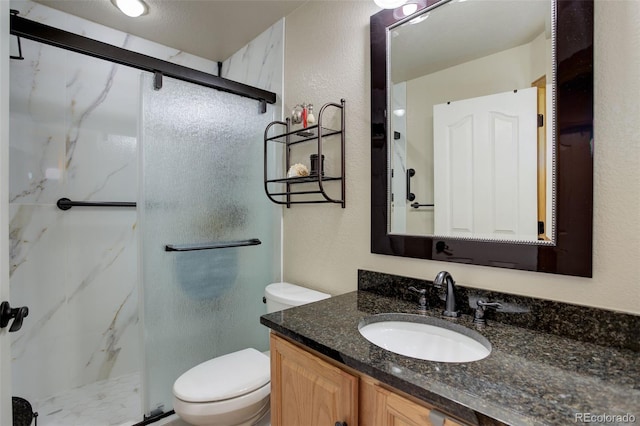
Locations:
(233, 389)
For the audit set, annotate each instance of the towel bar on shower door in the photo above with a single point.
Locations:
(66, 204)
(212, 245)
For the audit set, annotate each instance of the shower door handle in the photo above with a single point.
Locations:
(212, 245)
(7, 313)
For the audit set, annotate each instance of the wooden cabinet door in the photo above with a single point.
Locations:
(381, 407)
(305, 390)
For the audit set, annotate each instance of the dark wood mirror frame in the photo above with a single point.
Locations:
(572, 253)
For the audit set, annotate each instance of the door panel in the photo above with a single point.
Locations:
(504, 139)
(460, 170)
(201, 182)
(486, 174)
(306, 390)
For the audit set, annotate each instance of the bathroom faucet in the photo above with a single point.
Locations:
(450, 302)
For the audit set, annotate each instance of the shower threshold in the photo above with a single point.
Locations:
(111, 402)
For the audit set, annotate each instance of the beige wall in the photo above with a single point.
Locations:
(327, 58)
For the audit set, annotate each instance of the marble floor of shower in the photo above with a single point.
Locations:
(108, 402)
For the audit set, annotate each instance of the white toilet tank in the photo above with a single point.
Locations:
(285, 295)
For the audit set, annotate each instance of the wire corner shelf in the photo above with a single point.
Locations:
(286, 190)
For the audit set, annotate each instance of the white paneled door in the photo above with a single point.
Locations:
(485, 173)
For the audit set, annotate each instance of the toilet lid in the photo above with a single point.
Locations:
(224, 377)
(293, 295)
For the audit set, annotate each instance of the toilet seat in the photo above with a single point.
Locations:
(238, 375)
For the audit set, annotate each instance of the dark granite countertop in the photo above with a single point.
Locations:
(529, 378)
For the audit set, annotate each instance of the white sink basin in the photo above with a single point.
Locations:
(426, 338)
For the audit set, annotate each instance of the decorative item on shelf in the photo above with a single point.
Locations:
(300, 114)
(305, 112)
(314, 165)
(298, 170)
(311, 119)
(305, 122)
(296, 114)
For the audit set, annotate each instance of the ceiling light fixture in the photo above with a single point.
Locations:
(389, 4)
(133, 8)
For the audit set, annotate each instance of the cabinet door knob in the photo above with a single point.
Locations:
(341, 423)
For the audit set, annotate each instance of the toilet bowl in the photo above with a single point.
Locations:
(233, 389)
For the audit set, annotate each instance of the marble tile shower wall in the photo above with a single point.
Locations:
(73, 134)
(260, 63)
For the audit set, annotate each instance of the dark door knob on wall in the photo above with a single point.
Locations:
(7, 313)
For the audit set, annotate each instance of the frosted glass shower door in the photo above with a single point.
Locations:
(201, 182)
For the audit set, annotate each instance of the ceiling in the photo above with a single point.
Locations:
(461, 31)
(212, 29)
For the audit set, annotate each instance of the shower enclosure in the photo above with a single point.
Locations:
(115, 315)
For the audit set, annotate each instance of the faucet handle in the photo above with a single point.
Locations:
(481, 303)
(482, 306)
(423, 298)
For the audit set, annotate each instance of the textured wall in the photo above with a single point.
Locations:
(327, 57)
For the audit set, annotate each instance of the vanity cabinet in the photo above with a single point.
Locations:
(313, 188)
(307, 389)
(380, 406)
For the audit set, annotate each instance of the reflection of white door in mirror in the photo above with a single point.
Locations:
(486, 176)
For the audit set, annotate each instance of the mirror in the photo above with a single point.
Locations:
(471, 154)
(462, 171)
